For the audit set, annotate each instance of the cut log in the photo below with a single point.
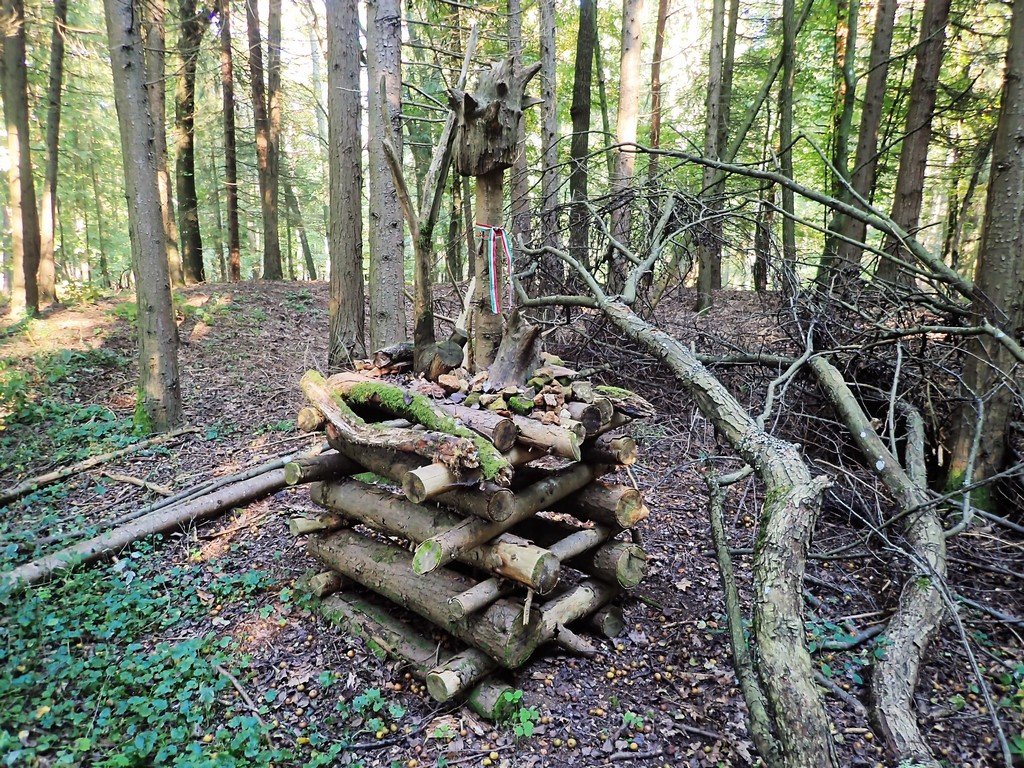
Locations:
(573, 643)
(586, 414)
(323, 467)
(430, 481)
(494, 700)
(617, 505)
(507, 555)
(478, 597)
(487, 501)
(304, 525)
(500, 430)
(445, 356)
(448, 545)
(499, 631)
(610, 449)
(583, 391)
(589, 550)
(396, 353)
(606, 407)
(310, 419)
(456, 675)
(360, 390)
(629, 403)
(548, 438)
(457, 452)
(608, 621)
(322, 584)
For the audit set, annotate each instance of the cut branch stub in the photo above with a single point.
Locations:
(488, 119)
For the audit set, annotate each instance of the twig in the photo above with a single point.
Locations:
(247, 699)
(853, 701)
(162, 490)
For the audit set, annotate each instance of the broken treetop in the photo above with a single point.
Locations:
(488, 119)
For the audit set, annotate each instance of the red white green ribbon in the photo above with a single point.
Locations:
(497, 238)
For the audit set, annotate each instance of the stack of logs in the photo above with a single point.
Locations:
(463, 546)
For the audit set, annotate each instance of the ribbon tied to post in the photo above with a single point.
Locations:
(495, 239)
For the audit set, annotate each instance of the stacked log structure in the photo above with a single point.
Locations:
(481, 509)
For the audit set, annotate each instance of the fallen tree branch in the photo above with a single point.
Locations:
(160, 521)
(34, 484)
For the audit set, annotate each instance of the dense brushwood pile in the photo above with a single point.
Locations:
(502, 536)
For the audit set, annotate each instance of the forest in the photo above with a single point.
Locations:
(512, 383)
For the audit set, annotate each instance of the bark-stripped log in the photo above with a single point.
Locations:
(507, 555)
(448, 545)
(499, 631)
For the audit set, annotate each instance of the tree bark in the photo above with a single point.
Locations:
(345, 171)
(579, 147)
(790, 279)
(989, 367)
(227, 84)
(159, 392)
(846, 263)
(520, 176)
(659, 52)
(626, 128)
(295, 214)
(193, 26)
(487, 324)
(909, 192)
(549, 180)
(386, 237)
(48, 201)
(266, 150)
(709, 249)
(21, 188)
(154, 15)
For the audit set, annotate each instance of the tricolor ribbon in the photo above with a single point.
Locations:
(497, 237)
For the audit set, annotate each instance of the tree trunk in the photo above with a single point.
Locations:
(602, 98)
(218, 218)
(551, 266)
(909, 193)
(989, 367)
(659, 51)
(625, 129)
(709, 249)
(520, 176)
(579, 148)
(21, 188)
(790, 279)
(227, 83)
(48, 201)
(345, 229)
(487, 324)
(295, 215)
(159, 392)
(266, 150)
(104, 270)
(846, 264)
(386, 237)
(193, 26)
(154, 15)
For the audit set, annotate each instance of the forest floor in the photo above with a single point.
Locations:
(196, 649)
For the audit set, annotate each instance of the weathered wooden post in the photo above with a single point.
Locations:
(485, 145)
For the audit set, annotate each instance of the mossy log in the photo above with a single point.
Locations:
(454, 451)
(432, 480)
(500, 631)
(609, 621)
(500, 430)
(616, 505)
(549, 438)
(627, 402)
(486, 500)
(361, 390)
(507, 555)
(610, 449)
(323, 467)
(494, 700)
(458, 673)
(448, 545)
